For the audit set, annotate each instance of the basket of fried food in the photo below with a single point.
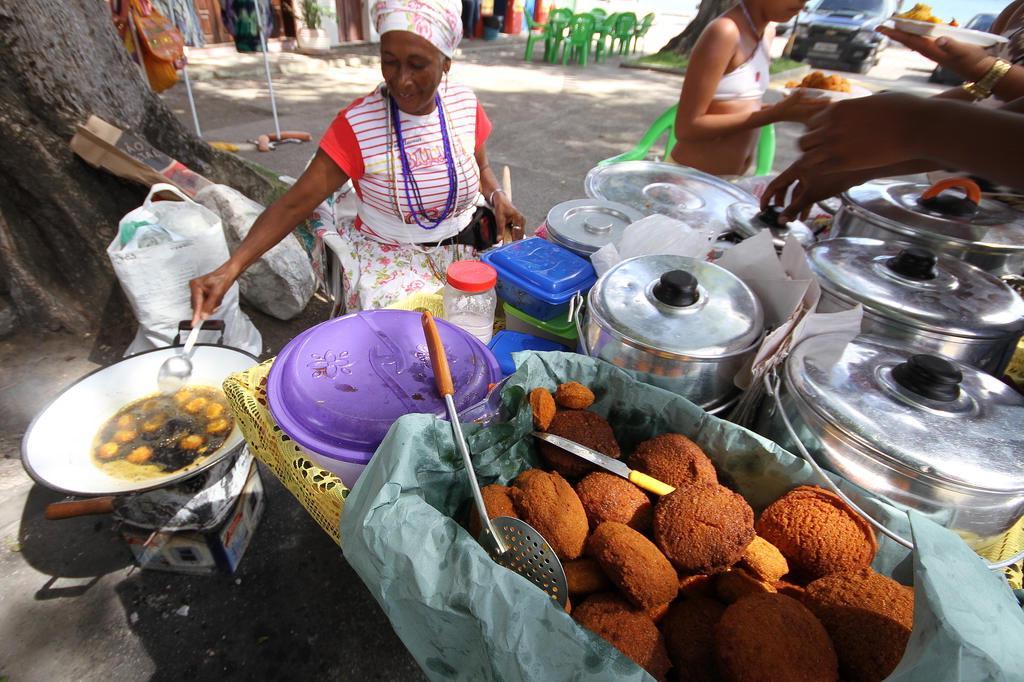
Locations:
(743, 569)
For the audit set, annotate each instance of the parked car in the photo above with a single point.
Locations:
(840, 34)
(979, 22)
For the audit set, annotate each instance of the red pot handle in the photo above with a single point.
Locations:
(970, 188)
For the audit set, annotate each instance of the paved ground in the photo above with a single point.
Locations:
(71, 607)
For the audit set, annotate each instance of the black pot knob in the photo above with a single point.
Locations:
(929, 376)
(914, 263)
(677, 288)
(770, 217)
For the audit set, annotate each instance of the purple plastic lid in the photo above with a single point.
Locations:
(336, 388)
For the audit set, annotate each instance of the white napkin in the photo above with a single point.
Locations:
(654, 235)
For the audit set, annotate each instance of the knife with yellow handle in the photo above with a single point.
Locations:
(637, 478)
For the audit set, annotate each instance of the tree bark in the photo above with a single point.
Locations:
(708, 11)
(60, 62)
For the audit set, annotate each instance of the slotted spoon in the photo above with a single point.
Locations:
(177, 369)
(512, 543)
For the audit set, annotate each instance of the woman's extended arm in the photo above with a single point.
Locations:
(708, 62)
(320, 179)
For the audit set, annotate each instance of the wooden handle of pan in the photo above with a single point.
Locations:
(69, 510)
(438, 359)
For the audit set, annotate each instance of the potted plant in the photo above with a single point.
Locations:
(311, 36)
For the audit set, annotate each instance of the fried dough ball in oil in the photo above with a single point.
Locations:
(214, 411)
(217, 426)
(152, 425)
(125, 436)
(196, 405)
(125, 421)
(191, 442)
(182, 396)
(140, 455)
(107, 451)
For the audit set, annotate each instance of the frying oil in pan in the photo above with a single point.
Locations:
(163, 434)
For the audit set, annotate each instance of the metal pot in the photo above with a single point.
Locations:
(924, 302)
(57, 448)
(980, 231)
(585, 225)
(919, 430)
(679, 192)
(677, 323)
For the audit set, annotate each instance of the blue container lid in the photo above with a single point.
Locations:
(545, 270)
(507, 342)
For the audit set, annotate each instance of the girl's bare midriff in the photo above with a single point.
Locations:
(726, 155)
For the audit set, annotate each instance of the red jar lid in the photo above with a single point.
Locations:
(471, 276)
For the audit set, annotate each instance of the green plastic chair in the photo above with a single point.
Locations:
(604, 37)
(641, 30)
(765, 155)
(535, 32)
(558, 23)
(577, 45)
(624, 26)
(598, 13)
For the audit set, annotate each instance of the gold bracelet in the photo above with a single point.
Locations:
(982, 88)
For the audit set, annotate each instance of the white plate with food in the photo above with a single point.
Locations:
(827, 85)
(934, 30)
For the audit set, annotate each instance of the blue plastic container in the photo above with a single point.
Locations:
(539, 277)
(506, 342)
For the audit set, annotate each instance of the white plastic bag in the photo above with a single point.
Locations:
(155, 278)
(654, 235)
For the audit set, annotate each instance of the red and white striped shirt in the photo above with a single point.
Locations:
(358, 142)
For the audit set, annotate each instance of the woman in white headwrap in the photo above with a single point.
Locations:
(415, 151)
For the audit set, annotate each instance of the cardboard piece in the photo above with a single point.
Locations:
(124, 154)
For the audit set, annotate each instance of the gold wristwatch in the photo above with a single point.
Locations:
(982, 88)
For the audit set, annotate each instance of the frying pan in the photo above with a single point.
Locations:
(57, 448)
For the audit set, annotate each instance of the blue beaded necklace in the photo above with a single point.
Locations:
(412, 190)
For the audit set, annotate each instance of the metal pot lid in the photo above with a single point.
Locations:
(919, 289)
(923, 414)
(679, 192)
(337, 387)
(677, 305)
(747, 220)
(990, 223)
(585, 225)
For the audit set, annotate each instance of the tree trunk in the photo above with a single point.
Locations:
(708, 11)
(60, 62)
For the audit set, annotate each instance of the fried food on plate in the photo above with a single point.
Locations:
(869, 617)
(736, 583)
(817, 533)
(549, 504)
(497, 502)
(703, 528)
(607, 497)
(821, 81)
(772, 636)
(586, 428)
(585, 576)
(689, 631)
(626, 628)
(634, 564)
(674, 459)
(920, 12)
(764, 560)
(573, 395)
(543, 406)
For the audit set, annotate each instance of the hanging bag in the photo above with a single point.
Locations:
(163, 48)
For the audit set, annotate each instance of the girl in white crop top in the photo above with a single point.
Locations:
(720, 106)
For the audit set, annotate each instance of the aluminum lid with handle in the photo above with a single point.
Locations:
(747, 220)
(677, 305)
(939, 212)
(924, 407)
(585, 225)
(676, 191)
(917, 288)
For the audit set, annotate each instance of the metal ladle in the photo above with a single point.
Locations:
(177, 369)
(511, 542)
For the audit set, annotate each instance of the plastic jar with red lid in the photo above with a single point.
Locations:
(469, 297)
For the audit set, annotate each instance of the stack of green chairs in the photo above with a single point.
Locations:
(625, 24)
(581, 34)
(558, 22)
(641, 30)
(604, 34)
(666, 124)
(536, 32)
